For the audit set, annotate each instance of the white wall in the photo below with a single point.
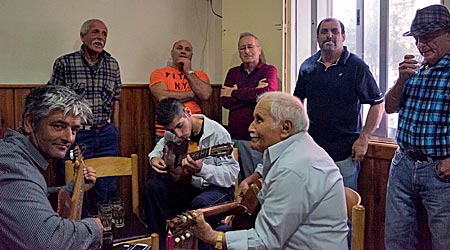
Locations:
(33, 33)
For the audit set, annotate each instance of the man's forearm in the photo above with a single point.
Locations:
(372, 121)
(202, 89)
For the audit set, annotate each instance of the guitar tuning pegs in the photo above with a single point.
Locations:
(188, 235)
(72, 156)
(177, 240)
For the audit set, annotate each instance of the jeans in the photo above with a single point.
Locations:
(97, 143)
(411, 183)
(164, 199)
(248, 158)
(349, 170)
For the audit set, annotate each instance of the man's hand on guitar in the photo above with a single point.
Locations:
(159, 165)
(90, 176)
(203, 230)
(245, 185)
(191, 166)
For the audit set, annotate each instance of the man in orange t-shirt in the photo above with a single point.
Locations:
(180, 81)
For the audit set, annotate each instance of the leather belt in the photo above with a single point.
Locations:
(418, 156)
(94, 126)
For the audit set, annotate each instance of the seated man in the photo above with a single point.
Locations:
(179, 80)
(50, 121)
(196, 183)
(302, 196)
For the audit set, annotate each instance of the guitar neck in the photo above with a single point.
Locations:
(222, 209)
(78, 191)
(200, 154)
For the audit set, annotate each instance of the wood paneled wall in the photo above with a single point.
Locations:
(372, 186)
(136, 124)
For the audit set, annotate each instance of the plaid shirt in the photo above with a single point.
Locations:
(424, 116)
(99, 84)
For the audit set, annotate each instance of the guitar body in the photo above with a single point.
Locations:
(246, 219)
(64, 203)
(173, 153)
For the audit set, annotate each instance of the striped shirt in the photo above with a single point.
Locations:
(27, 219)
(100, 84)
(424, 116)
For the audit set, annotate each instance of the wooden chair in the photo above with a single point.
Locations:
(356, 214)
(135, 231)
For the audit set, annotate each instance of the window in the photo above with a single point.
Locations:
(374, 32)
(380, 42)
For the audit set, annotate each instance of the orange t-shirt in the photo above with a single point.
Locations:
(175, 80)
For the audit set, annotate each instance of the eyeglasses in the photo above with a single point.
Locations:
(249, 47)
(430, 37)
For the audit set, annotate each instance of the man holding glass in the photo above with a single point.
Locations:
(420, 169)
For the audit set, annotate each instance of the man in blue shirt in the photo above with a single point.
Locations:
(420, 169)
(335, 83)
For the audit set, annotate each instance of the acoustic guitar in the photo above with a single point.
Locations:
(244, 212)
(174, 154)
(71, 207)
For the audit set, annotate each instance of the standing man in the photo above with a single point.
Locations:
(94, 74)
(180, 81)
(420, 169)
(50, 121)
(196, 183)
(336, 83)
(242, 85)
(297, 174)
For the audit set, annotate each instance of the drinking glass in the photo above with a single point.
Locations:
(105, 213)
(118, 212)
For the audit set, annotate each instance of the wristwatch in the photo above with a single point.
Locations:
(219, 243)
(190, 72)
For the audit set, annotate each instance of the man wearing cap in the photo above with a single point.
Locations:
(420, 169)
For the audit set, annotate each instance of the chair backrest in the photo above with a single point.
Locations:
(114, 166)
(356, 214)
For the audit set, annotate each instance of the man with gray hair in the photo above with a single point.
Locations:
(420, 170)
(242, 85)
(297, 173)
(94, 74)
(50, 121)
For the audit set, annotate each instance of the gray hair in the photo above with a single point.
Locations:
(245, 34)
(284, 106)
(41, 101)
(87, 24)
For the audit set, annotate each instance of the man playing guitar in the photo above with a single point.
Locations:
(195, 183)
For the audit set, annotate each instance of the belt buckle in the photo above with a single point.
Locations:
(85, 127)
(417, 156)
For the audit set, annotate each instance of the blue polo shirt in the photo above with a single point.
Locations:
(334, 97)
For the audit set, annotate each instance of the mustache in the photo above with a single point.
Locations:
(99, 41)
(329, 40)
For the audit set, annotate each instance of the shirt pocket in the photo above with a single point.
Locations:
(107, 94)
(78, 87)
